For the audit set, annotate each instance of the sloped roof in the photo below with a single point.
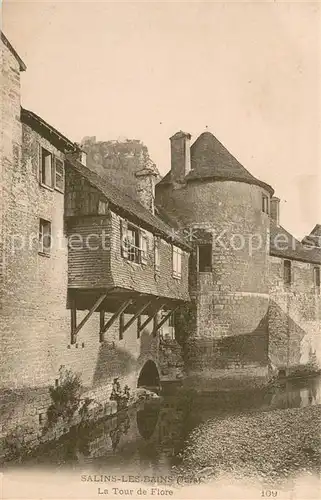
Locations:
(283, 244)
(211, 160)
(125, 203)
(314, 238)
(6, 42)
(43, 128)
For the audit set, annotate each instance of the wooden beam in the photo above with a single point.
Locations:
(163, 320)
(150, 318)
(115, 316)
(90, 313)
(73, 320)
(138, 313)
(101, 325)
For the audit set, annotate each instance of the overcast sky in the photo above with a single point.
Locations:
(250, 72)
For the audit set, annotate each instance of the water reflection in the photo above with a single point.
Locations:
(151, 436)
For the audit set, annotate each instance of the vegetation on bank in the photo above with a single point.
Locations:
(270, 446)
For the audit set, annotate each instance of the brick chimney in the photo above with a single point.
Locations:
(275, 209)
(180, 156)
(145, 187)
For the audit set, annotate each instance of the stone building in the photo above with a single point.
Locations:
(255, 289)
(96, 280)
(89, 275)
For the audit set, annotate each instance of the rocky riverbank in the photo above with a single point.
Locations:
(271, 446)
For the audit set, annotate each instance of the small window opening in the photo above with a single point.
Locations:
(316, 278)
(287, 272)
(44, 236)
(265, 204)
(205, 258)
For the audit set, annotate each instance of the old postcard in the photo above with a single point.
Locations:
(160, 250)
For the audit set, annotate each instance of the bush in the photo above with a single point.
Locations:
(16, 444)
(65, 397)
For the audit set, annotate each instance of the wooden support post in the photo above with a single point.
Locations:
(138, 313)
(101, 325)
(115, 316)
(150, 318)
(90, 313)
(73, 318)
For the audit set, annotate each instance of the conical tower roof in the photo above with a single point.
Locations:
(211, 160)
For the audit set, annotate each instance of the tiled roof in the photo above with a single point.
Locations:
(6, 42)
(314, 238)
(283, 244)
(211, 160)
(128, 205)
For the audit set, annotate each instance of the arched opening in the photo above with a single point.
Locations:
(149, 377)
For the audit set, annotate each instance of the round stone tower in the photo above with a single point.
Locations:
(224, 212)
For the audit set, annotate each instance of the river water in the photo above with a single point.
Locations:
(149, 438)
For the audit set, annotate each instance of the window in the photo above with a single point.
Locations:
(44, 236)
(45, 173)
(265, 204)
(177, 262)
(134, 243)
(156, 253)
(59, 175)
(316, 278)
(205, 258)
(287, 272)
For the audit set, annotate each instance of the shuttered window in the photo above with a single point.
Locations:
(59, 174)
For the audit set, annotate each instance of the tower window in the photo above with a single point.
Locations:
(287, 272)
(316, 278)
(265, 204)
(205, 258)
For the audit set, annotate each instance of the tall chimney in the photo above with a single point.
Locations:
(145, 187)
(180, 156)
(275, 209)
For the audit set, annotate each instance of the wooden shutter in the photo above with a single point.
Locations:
(59, 174)
(143, 246)
(123, 238)
(156, 253)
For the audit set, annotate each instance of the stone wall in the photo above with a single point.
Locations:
(230, 303)
(294, 317)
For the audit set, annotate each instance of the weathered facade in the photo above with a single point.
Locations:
(183, 279)
(245, 322)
